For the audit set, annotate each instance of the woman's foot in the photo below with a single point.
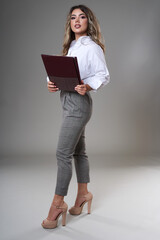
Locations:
(54, 213)
(80, 202)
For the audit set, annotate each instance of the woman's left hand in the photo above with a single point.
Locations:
(83, 88)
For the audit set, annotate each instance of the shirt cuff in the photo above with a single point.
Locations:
(47, 79)
(96, 82)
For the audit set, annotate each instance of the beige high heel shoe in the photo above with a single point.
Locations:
(53, 224)
(87, 199)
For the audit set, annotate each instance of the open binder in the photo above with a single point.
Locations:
(63, 71)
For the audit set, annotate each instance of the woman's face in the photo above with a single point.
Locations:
(79, 23)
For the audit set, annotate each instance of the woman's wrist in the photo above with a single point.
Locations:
(88, 88)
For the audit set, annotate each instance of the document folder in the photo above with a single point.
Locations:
(63, 71)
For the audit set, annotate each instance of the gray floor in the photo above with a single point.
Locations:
(126, 202)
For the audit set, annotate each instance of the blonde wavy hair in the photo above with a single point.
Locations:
(93, 29)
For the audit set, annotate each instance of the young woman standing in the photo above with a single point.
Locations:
(83, 40)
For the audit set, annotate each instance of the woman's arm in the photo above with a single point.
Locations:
(99, 74)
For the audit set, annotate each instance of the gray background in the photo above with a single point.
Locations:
(126, 112)
(125, 121)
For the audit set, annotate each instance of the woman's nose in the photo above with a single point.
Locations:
(77, 19)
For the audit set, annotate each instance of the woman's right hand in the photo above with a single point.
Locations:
(52, 87)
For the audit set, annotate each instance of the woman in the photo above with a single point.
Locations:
(83, 40)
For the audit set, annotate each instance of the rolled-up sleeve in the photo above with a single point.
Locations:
(98, 67)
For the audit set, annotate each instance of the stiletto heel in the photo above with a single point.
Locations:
(64, 218)
(53, 223)
(89, 206)
(87, 199)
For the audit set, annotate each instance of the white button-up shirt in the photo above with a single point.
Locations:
(91, 61)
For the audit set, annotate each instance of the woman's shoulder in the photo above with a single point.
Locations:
(93, 48)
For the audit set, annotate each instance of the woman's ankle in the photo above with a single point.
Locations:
(82, 189)
(82, 194)
(58, 200)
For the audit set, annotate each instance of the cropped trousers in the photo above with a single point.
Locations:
(77, 110)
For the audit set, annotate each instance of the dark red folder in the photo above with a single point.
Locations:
(63, 71)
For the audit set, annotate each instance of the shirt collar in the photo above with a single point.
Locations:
(81, 40)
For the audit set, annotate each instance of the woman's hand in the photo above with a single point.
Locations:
(83, 88)
(52, 87)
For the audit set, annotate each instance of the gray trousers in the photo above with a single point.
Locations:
(77, 110)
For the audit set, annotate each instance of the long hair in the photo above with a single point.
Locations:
(93, 29)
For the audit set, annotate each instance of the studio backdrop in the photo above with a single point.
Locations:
(126, 112)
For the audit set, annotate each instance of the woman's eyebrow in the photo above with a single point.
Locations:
(79, 14)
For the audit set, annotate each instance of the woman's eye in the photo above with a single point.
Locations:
(83, 17)
(72, 18)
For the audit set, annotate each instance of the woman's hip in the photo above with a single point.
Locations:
(76, 105)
